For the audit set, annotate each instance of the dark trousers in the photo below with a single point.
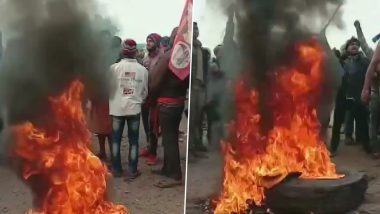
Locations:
(360, 115)
(349, 124)
(374, 106)
(148, 128)
(170, 118)
(197, 103)
(133, 123)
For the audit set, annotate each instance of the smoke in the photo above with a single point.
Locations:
(50, 43)
(268, 29)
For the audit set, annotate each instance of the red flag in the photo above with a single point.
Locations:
(180, 58)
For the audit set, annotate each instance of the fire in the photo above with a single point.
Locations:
(57, 163)
(254, 162)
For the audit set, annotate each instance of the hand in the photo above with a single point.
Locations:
(357, 24)
(365, 95)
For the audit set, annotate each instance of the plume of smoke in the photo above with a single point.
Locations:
(267, 29)
(51, 43)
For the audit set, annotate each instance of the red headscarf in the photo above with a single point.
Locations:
(129, 47)
(156, 38)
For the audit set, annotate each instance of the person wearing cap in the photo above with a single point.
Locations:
(153, 47)
(355, 68)
(125, 107)
(170, 94)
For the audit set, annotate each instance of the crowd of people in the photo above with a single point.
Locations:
(145, 88)
(357, 100)
(353, 85)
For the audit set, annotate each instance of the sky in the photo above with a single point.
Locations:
(136, 19)
(212, 21)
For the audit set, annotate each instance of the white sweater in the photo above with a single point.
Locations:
(131, 90)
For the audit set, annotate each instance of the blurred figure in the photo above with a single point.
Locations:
(164, 44)
(150, 60)
(170, 93)
(215, 91)
(199, 73)
(99, 118)
(116, 48)
(370, 94)
(125, 106)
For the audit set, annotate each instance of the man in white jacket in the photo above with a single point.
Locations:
(125, 106)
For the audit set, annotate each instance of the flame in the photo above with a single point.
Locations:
(58, 164)
(253, 162)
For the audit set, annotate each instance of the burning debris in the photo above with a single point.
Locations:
(57, 164)
(276, 131)
(53, 61)
(255, 162)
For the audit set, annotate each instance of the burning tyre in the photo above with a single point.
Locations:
(300, 196)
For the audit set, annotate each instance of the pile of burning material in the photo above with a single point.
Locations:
(274, 157)
(56, 162)
(257, 164)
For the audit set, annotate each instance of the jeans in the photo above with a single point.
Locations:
(133, 123)
(148, 128)
(374, 106)
(170, 118)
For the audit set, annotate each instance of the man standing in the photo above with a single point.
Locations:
(371, 93)
(215, 91)
(198, 94)
(153, 47)
(355, 68)
(169, 92)
(125, 106)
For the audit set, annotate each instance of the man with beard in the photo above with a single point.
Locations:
(169, 92)
(153, 46)
(355, 68)
(199, 74)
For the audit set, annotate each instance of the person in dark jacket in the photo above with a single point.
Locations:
(355, 68)
(199, 73)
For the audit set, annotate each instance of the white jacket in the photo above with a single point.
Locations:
(131, 90)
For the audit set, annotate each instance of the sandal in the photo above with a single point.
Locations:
(158, 172)
(168, 183)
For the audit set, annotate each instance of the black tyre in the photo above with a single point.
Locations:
(296, 196)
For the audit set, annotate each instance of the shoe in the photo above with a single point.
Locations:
(376, 155)
(144, 153)
(102, 156)
(159, 172)
(349, 141)
(168, 183)
(117, 173)
(152, 160)
(201, 148)
(132, 176)
(332, 153)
